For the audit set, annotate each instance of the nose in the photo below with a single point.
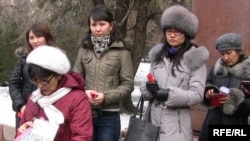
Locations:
(225, 56)
(98, 28)
(35, 40)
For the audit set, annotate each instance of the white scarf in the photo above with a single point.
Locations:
(46, 102)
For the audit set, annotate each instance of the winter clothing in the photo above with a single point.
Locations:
(235, 110)
(55, 60)
(74, 106)
(229, 41)
(152, 87)
(235, 97)
(111, 74)
(181, 18)
(20, 86)
(184, 89)
(161, 94)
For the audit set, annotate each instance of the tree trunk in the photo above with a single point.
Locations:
(121, 8)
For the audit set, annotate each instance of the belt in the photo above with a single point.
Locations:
(99, 113)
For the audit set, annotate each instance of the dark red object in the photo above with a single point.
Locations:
(93, 95)
(216, 100)
(20, 114)
(151, 77)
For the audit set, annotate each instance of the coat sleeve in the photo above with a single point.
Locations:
(15, 85)
(179, 97)
(209, 82)
(126, 77)
(78, 64)
(244, 106)
(81, 122)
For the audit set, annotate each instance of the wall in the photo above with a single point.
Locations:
(217, 17)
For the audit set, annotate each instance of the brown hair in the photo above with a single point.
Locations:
(40, 30)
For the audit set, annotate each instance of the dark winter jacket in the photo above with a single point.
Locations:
(238, 110)
(20, 86)
(75, 108)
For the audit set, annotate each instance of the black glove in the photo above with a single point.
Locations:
(161, 94)
(152, 87)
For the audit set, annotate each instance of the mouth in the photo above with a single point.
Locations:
(172, 40)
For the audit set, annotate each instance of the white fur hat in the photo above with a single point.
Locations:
(50, 58)
(180, 17)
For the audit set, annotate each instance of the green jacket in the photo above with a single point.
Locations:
(111, 74)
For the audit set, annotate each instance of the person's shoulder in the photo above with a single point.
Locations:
(21, 52)
(196, 57)
(154, 51)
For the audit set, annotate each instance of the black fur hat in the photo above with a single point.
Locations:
(181, 18)
(229, 41)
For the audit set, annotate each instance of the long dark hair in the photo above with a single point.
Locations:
(178, 56)
(102, 13)
(40, 30)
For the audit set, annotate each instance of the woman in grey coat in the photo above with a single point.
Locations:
(179, 69)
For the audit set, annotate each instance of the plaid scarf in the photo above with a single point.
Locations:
(100, 44)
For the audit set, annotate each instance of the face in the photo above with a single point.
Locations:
(230, 57)
(36, 41)
(175, 37)
(47, 85)
(100, 28)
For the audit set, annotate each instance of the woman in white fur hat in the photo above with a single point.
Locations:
(179, 69)
(60, 98)
(229, 69)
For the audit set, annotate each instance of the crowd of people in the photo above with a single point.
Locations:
(83, 100)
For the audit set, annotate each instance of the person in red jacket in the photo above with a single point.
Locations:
(60, 98)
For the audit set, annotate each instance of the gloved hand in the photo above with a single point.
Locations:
(152, 87)
(161, 94)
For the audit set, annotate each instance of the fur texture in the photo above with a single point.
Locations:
(193, 58)
(241, 70)
(50, 58)
(235, 97)
(229, 41)
(180, 17)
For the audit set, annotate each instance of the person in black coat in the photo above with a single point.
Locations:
(20, 86)
(228, 71)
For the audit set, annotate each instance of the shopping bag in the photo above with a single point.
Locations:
(141, 129)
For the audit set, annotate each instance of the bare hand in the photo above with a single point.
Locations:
(25, 126)
(95, 98)
(223, 99)
(209, 93)
(22, 109)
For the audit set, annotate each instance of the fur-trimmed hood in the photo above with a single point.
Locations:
(193, 58)
(240, 70)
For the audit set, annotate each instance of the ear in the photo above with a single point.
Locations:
(111, 26)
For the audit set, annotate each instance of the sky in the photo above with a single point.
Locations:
(7, 115)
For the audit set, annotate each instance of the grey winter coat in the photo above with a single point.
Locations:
(111, 74)
(186, 89)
